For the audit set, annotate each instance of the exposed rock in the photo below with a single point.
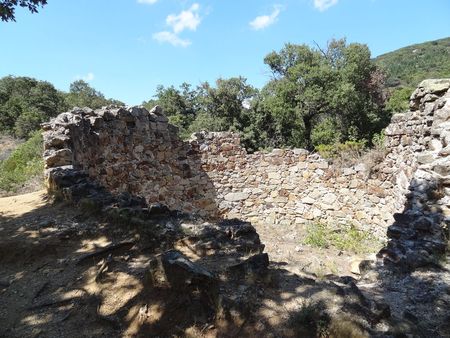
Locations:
(173, 269)
(236, 196)
(252, 269)
(58, 158)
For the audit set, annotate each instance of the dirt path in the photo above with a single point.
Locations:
(43, 291)
(16, 206)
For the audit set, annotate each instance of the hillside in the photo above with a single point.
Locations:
(408, 66)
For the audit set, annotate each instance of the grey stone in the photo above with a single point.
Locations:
(348, 171)
(442, 169)
(236, 196)
(252, 269)
(175, 270)
(329, 198)
(308, 200)
(299, 151)
(425, 158)
(58, 158)
(432, 86)
(157, 110)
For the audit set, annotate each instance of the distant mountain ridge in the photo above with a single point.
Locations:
(408, 66)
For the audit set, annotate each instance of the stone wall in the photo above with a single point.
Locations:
(136, 151)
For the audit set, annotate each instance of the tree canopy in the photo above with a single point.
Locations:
(315, 96)
(206, 107)
(338, 88)
(83, 95)
(26, 102)
(8, 7)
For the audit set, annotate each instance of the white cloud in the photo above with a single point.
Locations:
(189, 19)
(88, 77)
(171, 38)
(147, 2)
(323, 5)
(263, 21)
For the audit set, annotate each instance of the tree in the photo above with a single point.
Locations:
(339, 84)
(27, 102)
(83, 95)
(206, 107)
(8, 7)
(398, 101)
(227, 101)
(180, 105)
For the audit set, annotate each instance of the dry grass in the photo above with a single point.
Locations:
(346, 238)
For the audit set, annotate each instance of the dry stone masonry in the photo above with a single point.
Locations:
(136, 151)
(420, 149)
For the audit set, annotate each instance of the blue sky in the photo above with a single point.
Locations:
(125, 48)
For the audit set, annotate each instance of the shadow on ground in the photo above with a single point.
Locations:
(65, 273)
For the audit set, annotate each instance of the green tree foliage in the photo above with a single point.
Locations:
(83, 95)
(8, 7)
(227, 101)
(310, 85)
(206, 107)
(398, 101)
(408, 66)
(324, 132)
(180, 105)
(25, 103)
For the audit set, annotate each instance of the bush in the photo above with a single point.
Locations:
(24, 164)
(205, 121)
(28, 122)
(378, 140)
(347, 152)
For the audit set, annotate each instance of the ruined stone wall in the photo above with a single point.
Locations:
(139, 152)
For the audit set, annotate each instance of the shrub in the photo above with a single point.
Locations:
(28, 122)
(352, 240)
(376, 155)
(348, 152)
(379, 139)
(24, 164)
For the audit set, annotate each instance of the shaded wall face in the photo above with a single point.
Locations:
(139, 152)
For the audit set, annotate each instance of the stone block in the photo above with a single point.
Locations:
(236, 196)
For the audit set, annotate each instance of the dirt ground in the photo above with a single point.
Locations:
(45, 292)
(50, 285)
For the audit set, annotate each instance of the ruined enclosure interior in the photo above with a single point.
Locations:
(136, 151)
(116, 257)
